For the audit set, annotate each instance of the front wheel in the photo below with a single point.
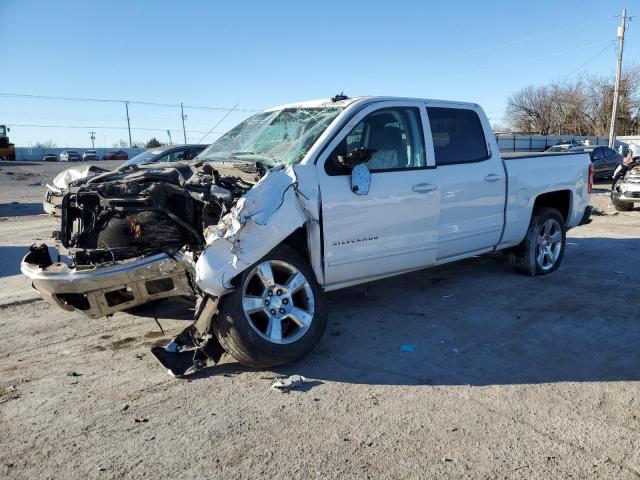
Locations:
(542, 249)
(277, 313)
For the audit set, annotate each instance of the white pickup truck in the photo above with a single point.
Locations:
(302, 199)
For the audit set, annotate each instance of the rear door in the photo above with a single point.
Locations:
(394, 227)
(471, 177)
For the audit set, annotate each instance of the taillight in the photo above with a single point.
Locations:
(590, 187)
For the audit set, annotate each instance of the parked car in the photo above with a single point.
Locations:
(90, 155)
(116, 155)
(354, 190)
(625, 190)
(166, 154)
(605, 160)
(70, 156)
(50, 157)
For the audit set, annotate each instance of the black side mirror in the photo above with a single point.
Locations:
(355, 157)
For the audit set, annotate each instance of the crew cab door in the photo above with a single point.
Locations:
(393, 228)
(472, 180)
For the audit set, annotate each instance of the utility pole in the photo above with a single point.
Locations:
(184, 132)
(92, 136)
(126, 106)
(616, 91)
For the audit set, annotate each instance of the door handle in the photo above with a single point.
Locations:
(424, 188)
(492, 177)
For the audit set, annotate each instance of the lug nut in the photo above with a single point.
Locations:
(267, 302)
(281, 310)
(270, 293)
(279, 292)
(285, 301)
(273, 311)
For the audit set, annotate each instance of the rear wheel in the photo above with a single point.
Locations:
(542, 249)
(277, 313)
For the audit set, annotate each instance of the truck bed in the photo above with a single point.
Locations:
(518, 155)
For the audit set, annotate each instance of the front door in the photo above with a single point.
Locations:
(393, 228)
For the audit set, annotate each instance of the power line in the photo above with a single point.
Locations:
(221, 120)
(609, 45)
(106, 128)
(110, 100)
(532, 37)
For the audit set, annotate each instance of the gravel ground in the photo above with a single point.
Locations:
(511, 377)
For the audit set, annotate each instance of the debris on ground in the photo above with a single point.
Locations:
(124, 407)
(284, 384)
(141, 420)
(73, 374)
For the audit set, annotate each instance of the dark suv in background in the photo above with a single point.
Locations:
(605, 160)
(166, 154)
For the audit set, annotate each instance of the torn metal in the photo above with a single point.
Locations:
(260, 220)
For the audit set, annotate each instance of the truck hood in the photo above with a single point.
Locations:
(61, 181)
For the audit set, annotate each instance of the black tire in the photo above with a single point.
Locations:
(523, 257)
(239, 338)
(620, 205)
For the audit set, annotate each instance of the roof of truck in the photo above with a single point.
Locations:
(327, 102)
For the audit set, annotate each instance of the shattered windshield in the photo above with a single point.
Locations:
(274, 137)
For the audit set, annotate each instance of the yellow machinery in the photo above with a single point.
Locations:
(7, 149)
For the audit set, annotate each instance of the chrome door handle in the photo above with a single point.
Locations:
(492, 177)
(424, 188)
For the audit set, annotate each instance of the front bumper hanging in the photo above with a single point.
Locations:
(109, 288)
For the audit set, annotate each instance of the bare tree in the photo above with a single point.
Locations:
(580, 107)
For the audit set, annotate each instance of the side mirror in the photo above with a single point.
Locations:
(355, 157)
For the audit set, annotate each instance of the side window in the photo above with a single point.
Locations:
(458, 136)
(609, 152)
(173, 156)
(394, 134)
(597, 154)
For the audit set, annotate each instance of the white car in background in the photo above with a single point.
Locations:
(90, 155)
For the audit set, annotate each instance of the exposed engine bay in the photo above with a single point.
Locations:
(143, 211)
(625, 189)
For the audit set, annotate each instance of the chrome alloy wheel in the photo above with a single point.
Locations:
(277, 301)
(549, 244)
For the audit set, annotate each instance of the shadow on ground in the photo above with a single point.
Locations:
(16, 209)
(477, 322)
(11, 256)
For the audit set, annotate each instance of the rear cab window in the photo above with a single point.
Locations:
(458, 136)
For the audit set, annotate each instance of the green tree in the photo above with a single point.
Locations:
(153, 143)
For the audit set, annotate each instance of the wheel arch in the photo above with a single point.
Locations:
(561, 200)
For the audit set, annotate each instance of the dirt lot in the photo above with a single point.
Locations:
(511, 377)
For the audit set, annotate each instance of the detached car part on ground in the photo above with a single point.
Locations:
(625, 190)
(299, 199)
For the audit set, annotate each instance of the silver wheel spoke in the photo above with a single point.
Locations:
(547, 227)
(265, 274)
(556, 237)
(252, 304)
(274, 329)
(540, 258)
(301, 317)
(540, 240)
(296, 282)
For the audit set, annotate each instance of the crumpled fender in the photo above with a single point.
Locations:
(261, 219)
(63, 179)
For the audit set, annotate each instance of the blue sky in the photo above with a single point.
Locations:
(263, 53)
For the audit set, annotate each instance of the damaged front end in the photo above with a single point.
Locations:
(129, 237)
(625, 189)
